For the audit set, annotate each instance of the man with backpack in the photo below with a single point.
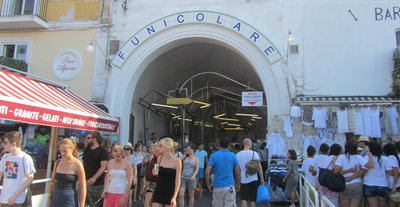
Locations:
(249, 163)
(17, 169)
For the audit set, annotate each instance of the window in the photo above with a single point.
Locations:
(398, 38)
(15, 51)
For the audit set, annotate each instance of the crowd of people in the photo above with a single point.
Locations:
(154, 174)
(157, 175)
(370, 169)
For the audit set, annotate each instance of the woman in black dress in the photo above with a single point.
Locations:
(168, 170)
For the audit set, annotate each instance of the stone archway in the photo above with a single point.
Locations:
(124, 81)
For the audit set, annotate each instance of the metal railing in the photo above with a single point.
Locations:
(24, 7)
(306, 200)
(325, 202)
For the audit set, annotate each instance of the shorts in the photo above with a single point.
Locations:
(201, 173)
(151, 186)
(224, 197)
(248, 191)
(372, 191)
(188, 183)
(353, 191)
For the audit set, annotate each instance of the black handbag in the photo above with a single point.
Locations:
(334, 182)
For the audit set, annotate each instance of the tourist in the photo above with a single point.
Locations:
(189, 174)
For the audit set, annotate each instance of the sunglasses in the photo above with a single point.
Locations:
(127, 148)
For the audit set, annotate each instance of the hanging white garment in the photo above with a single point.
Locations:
(320, 116)
(392, 116)
(351, 118)
(287, 126)
(340, 138)
(295, 112)
(375, 123)
(276, 145)
(342, 121)
(367, 123)
(306, 142)
(359, 124)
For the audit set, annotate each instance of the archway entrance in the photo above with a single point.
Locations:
(172, 56)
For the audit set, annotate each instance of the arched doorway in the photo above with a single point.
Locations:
(125, 82)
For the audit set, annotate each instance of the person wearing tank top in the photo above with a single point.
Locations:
(66, 173)
(168, 173)
(189, 173)
(118, 179)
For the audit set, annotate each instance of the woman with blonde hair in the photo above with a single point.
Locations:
(118, 179)
(67, 172)
(168, 171)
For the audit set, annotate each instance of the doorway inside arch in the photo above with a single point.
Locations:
(193, 92)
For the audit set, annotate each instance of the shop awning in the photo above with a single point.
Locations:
(25, 99)
(337, 100)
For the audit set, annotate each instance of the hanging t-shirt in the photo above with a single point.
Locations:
(375, 123)
(287, 126)
(320, 117)
(393, 115)
(306, 142)
(342, 121)
(351, 117)
(359, 124)
(367, 123)
(276, 145)
(295, 112)
(15, 169)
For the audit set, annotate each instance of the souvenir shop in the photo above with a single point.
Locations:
(317, 120)
(45, 112)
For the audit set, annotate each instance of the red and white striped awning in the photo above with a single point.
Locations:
(28, 100)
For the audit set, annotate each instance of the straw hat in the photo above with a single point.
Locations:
(363, 139)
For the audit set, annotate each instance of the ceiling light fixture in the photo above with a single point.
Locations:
(256, 117)
(233, 129)
(200, 102)
(252, 119)
(228, 119)
(242, 114)
(224, 122)
(205, 106)
(219, 115)
(236, 125)
(164, 105)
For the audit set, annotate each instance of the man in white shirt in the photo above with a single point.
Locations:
(249, 183)
(17, 169)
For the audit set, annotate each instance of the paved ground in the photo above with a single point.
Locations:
(205, 201)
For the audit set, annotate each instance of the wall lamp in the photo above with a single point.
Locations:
(91, 46)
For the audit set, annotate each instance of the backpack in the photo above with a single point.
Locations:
(252, 166)
(149, 170)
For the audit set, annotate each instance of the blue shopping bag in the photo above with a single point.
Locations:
(263, 196)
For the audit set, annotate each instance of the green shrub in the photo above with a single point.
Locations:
(14, 63)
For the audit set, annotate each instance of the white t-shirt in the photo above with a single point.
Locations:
(349, 162)
(305, 166)
(392, 163)
(137, 158)
(320, 116)
(243, 158)
(322, 161)
(377, 175)
(15, 170)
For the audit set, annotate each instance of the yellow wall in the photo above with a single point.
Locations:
(72, 10)
(47, 44)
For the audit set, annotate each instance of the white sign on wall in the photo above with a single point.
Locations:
(67, 64)
(252, 98)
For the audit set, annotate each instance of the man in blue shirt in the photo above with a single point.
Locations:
(202, 155)
(226, 175)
